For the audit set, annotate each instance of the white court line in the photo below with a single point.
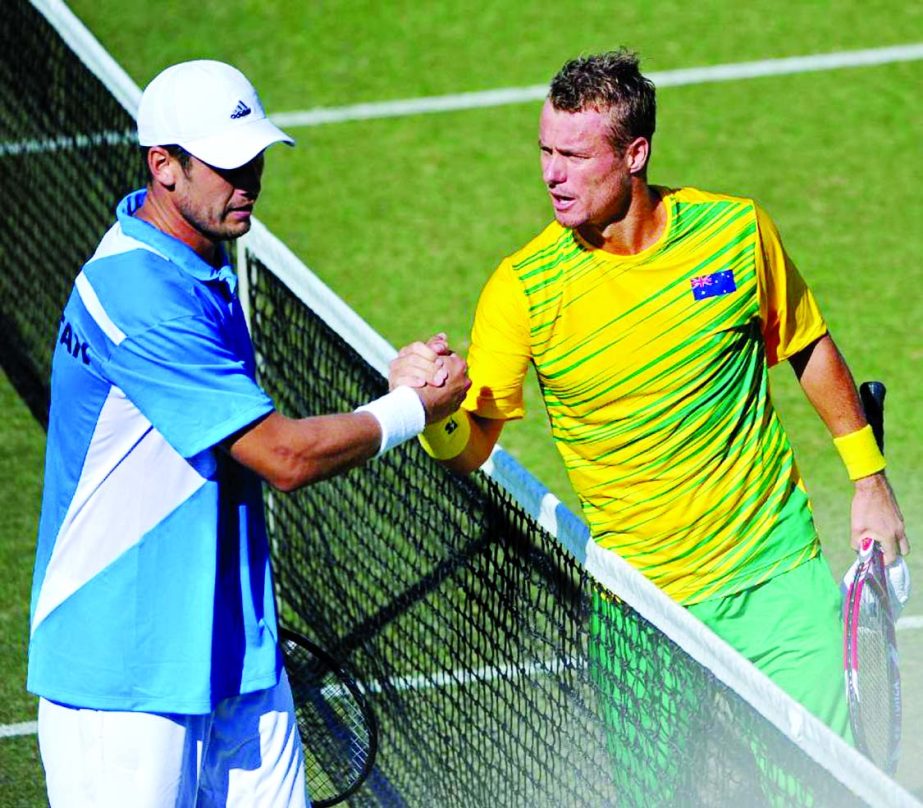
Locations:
(427, 681)
(436, 679)
(12, 730)
(441, 679)
(511, 95)
(908, 623)
(669, 78)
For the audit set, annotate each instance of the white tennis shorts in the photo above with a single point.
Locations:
(246, 753)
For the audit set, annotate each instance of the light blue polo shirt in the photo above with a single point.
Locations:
(152, 588)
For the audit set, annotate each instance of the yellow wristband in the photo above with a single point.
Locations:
(447, 438)
(860, 453)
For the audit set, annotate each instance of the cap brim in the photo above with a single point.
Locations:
(237, 147)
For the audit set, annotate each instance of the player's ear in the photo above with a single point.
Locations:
(637, 154)
(163, 166)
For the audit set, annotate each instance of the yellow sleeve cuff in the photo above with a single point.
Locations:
(860, 453)
(447, 438)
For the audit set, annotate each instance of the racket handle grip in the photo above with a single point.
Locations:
(872, 395)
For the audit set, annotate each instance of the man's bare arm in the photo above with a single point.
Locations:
(289, 453)
(829, 386)
(485, 432)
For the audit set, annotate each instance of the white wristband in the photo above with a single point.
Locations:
(400, 414)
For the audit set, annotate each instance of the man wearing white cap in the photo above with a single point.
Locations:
(154, 637)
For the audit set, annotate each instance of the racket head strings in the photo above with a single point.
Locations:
(338, 728)
(871, 663)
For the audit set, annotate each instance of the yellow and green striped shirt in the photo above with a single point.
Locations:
(653, 369)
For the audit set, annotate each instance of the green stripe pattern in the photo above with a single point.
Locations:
(659, 403)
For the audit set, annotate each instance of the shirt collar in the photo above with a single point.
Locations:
(180, 254)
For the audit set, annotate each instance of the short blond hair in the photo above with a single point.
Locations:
(609, 81)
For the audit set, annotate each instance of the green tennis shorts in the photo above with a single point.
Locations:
(790, 627)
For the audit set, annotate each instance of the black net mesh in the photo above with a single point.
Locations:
(68, 153)
(499, 671)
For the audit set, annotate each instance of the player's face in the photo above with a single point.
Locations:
(217, 202)
(588, 181)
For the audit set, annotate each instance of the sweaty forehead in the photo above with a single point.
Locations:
(586, 130)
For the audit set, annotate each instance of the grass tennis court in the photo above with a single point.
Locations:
(405, 217)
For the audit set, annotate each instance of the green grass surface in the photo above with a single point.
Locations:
(21, 445)
(328, 53)
(22, 783)
(405, 218)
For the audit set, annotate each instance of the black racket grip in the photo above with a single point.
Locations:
(872, 395)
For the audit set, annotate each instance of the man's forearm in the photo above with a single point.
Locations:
(463, 456)
(829, 386)
(831, 389)
(289, 453)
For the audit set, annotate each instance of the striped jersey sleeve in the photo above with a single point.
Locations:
(653, 370)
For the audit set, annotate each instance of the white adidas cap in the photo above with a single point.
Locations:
(211, 110)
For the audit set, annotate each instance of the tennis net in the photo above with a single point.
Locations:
(508, 660)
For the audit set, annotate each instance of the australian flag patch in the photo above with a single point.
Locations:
(718, 283)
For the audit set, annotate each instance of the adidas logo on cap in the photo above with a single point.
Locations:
(240, 111)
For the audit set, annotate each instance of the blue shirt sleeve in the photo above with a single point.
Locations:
(192, 378)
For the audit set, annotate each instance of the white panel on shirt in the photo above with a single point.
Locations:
(115, 242)
(100, 525)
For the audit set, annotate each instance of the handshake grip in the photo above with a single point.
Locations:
(437, 374)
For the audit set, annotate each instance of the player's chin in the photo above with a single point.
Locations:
(569, 218)
(235, 227)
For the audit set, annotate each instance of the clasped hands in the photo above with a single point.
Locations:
(437, 374)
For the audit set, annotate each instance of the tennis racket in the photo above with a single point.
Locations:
(339, 731)
(873, 683)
